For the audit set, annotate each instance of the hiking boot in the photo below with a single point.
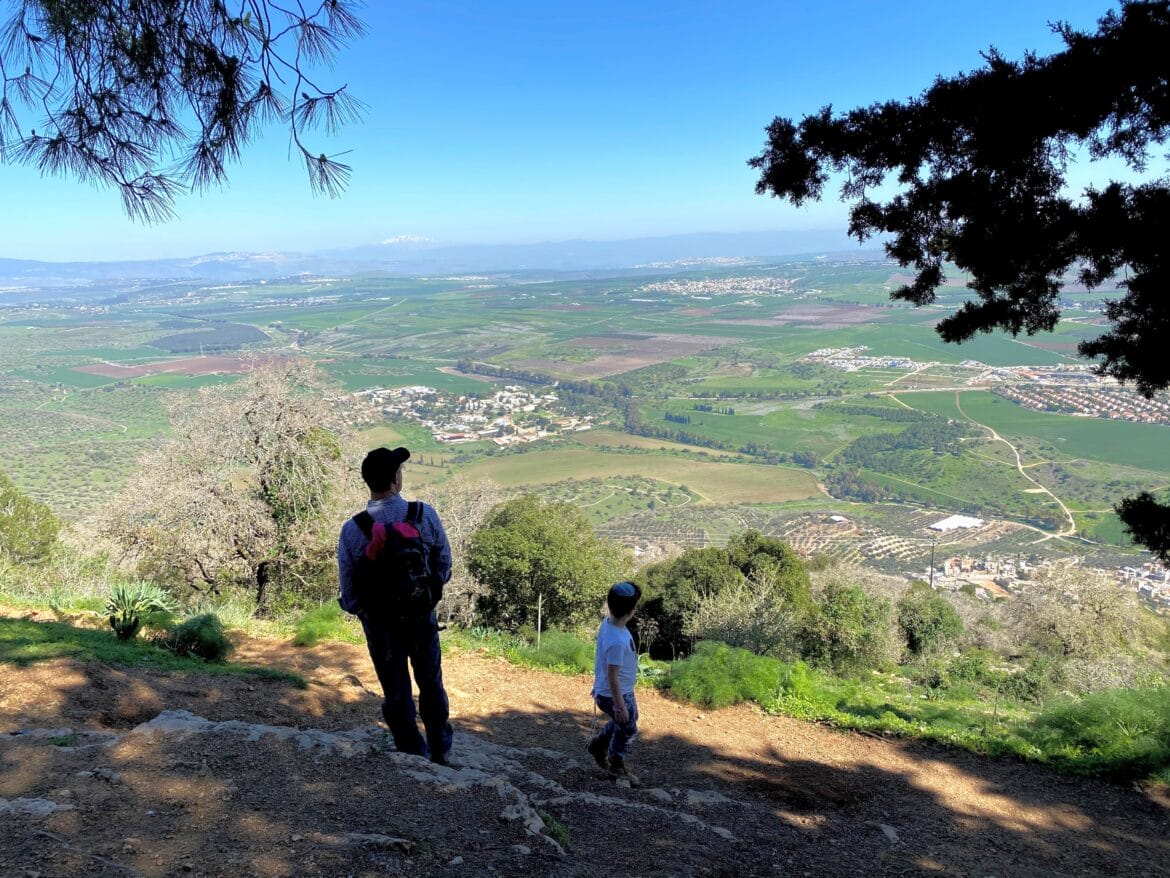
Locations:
(441, 759)
(599, 749)
(617, 767)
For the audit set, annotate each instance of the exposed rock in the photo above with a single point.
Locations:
(706, 797)
(478, 763)
(32, 807)
(890, 833)
(377, 839)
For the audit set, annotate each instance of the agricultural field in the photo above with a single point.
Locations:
(708, 415)
(603, 500)
(624, 441)
(1054, 437)
(779, 426)
(713, 483)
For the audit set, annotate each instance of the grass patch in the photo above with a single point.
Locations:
(325, 622)
(24, 643)
(560, 651)
(717, 675)
(1121, 733)
(383, 434)
(557, 830)
(616, 439)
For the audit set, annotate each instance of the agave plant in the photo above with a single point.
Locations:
(131, 605)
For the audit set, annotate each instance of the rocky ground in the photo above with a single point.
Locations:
(115, 772)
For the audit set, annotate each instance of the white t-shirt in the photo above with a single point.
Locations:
(615, 646)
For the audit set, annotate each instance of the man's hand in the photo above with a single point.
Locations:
(377, 540)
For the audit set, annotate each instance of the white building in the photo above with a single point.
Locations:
(957, 522)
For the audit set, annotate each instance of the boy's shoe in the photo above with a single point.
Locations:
(617, 767)
(442, 760)
(598, 748)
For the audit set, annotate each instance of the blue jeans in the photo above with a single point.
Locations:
(618, 735)
(393, 642)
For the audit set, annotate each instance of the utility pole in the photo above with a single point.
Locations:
(933, 540)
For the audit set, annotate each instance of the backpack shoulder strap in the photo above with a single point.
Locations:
(414, 512)
(365, 523)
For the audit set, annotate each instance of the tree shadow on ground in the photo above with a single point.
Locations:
(799, 800)
(927, 810)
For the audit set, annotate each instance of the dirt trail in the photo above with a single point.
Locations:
(729, 792)
(1021, 468)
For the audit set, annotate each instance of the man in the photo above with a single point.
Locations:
(394, 637)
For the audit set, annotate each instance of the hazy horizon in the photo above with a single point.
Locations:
(412, 243)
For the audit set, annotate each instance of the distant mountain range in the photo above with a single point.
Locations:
(412, 256)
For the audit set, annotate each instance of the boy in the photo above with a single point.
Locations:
(615, 668)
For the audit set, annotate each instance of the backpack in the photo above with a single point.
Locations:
(397, 583)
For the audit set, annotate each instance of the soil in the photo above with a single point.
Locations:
(206, 365)
(255, 790)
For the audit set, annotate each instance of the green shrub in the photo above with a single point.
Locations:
(717, 675)
(201, 635)
(930, 674)
(1033, 683)
(747, 592)
(1124, 733)
(849, 630)
(756, 615)
(530, 554)
(927, 620)
(322, 623)
(973, 666)
(28, 528)
(141, 603)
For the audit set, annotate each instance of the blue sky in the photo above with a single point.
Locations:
(523, 121)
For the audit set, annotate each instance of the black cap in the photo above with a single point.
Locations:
(381, 466)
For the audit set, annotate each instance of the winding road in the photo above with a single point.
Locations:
(1072, 525)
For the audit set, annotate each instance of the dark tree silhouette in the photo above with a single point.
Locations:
(980, 162)
(155, 97)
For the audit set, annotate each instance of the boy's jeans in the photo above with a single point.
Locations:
(618, 735)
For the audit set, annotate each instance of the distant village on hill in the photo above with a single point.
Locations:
(511, 416)
(1071, 389)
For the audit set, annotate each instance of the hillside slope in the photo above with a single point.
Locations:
(111, 771)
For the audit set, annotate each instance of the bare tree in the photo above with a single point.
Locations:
(155, 97)
(752, 614)
(1075, 612)
(242, 494)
